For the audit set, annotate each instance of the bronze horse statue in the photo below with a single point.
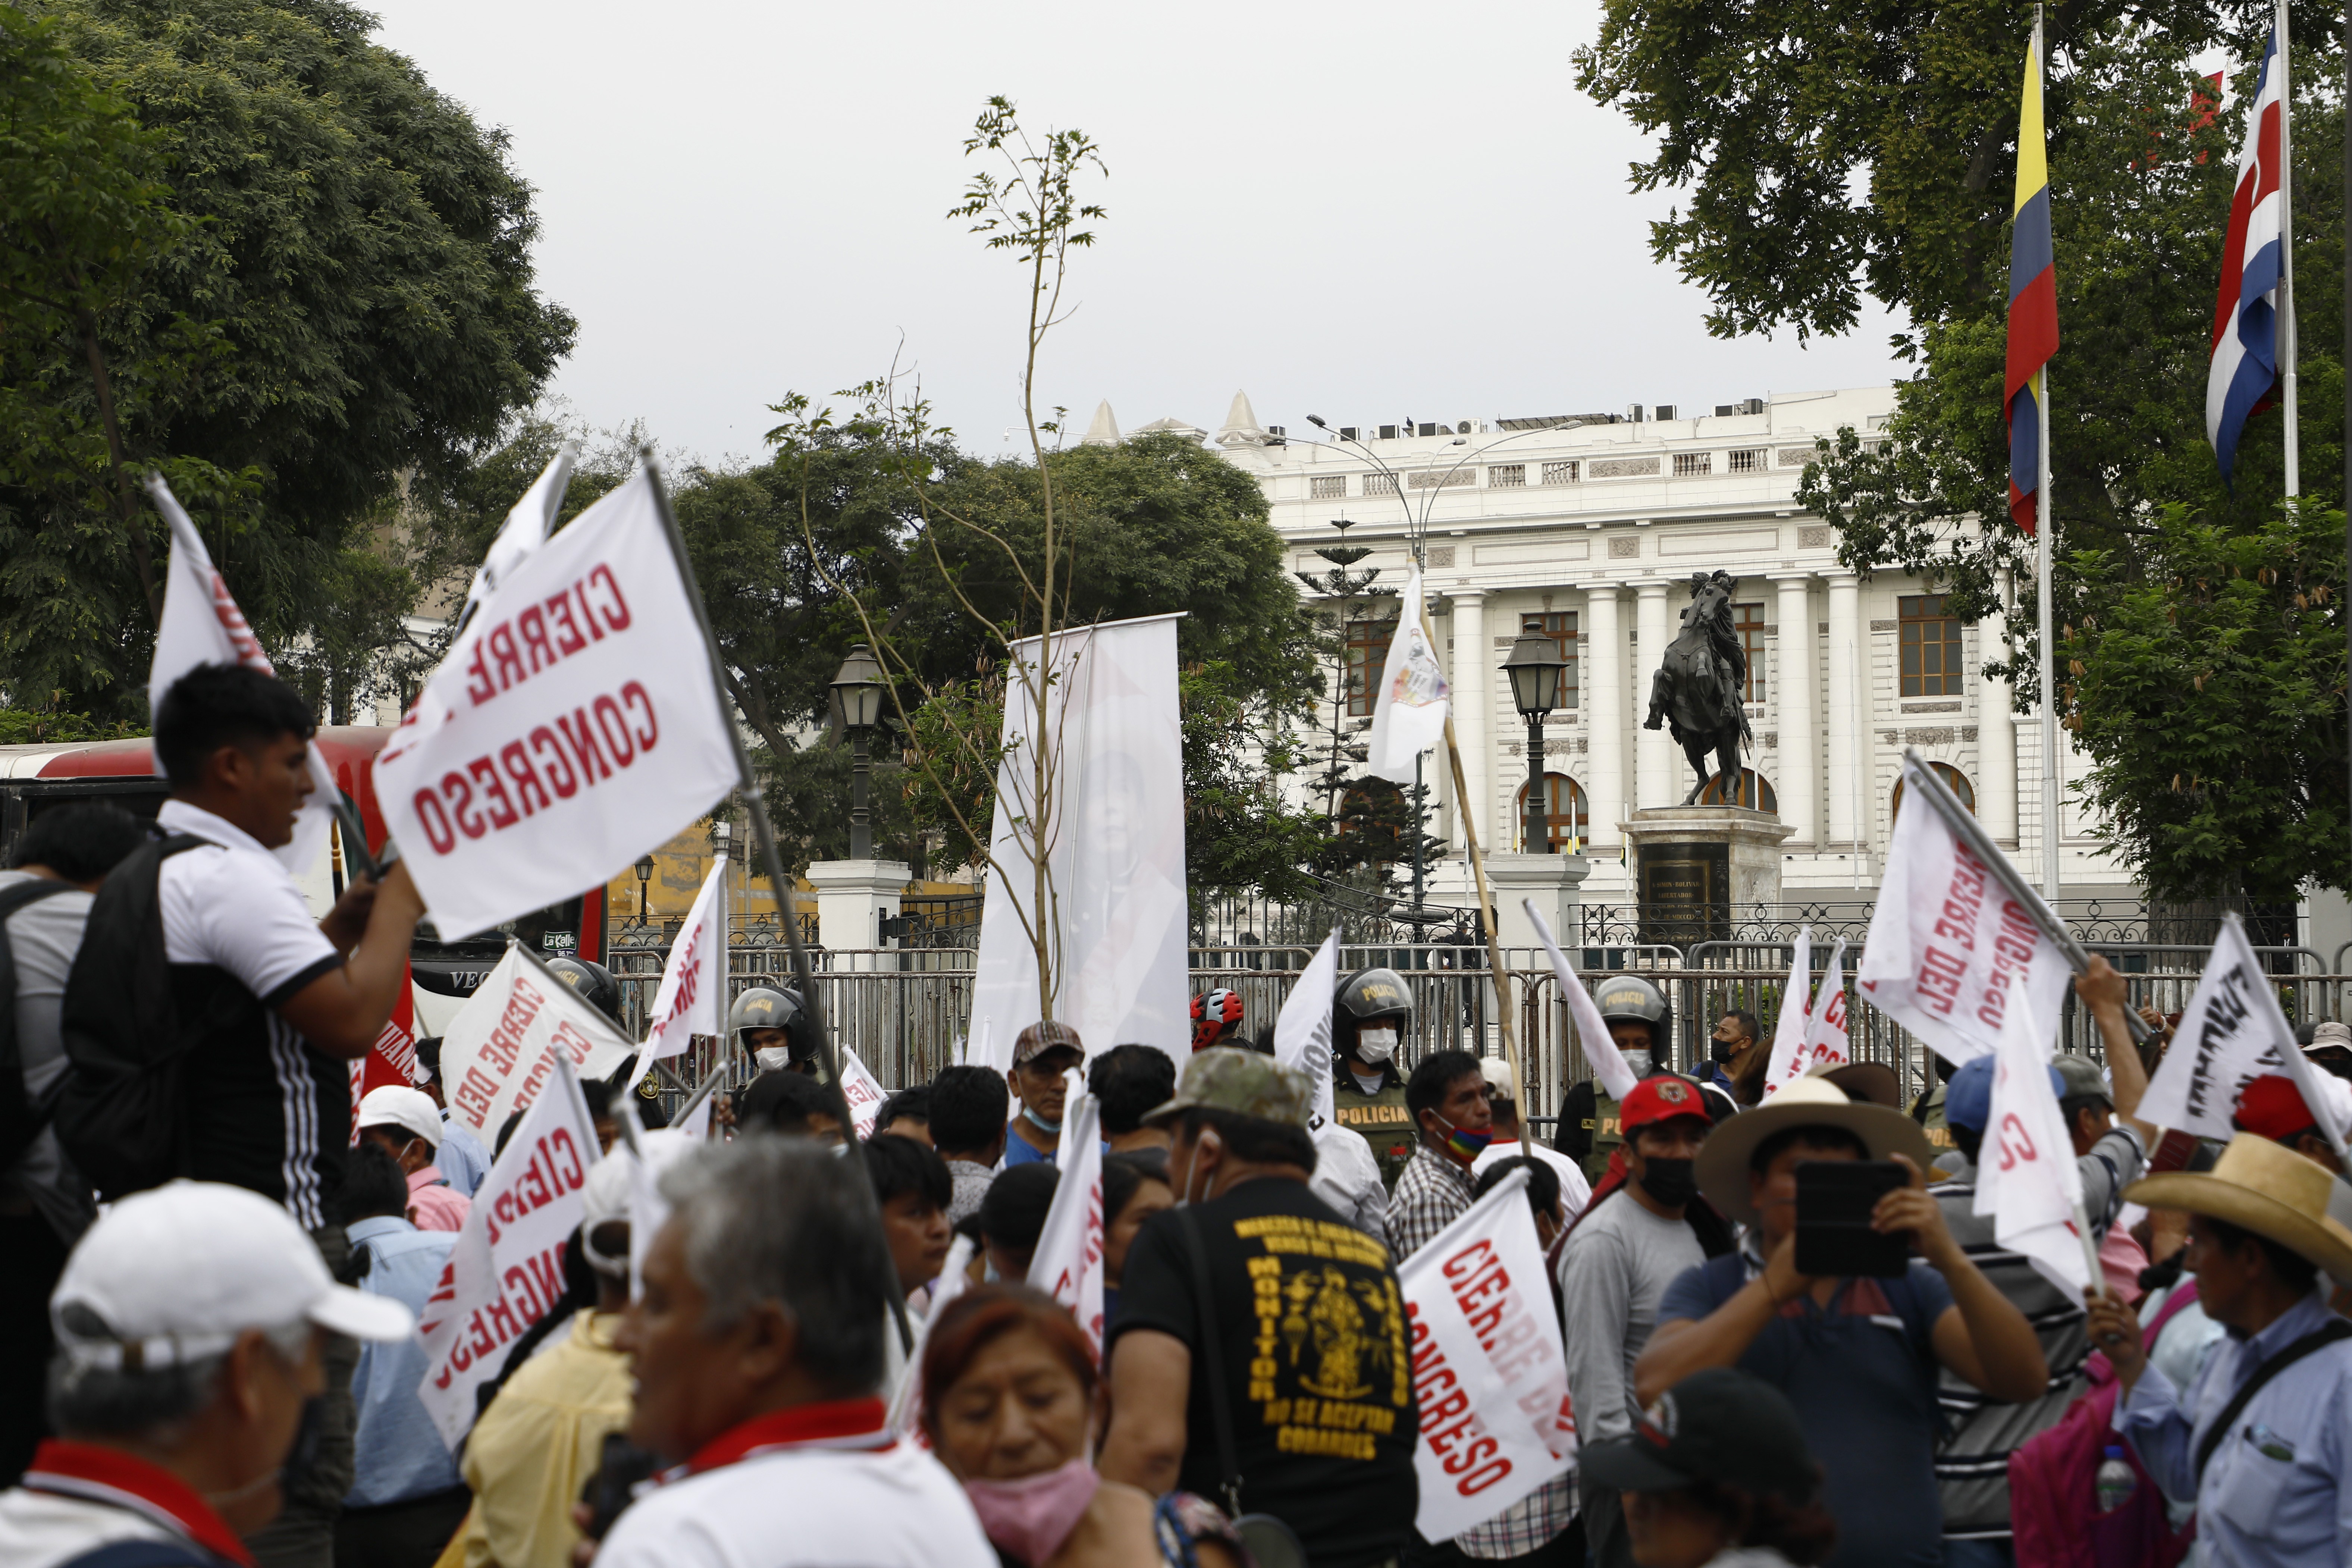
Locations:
(1698, 688)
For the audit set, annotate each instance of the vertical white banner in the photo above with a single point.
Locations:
(2026, 1176)
(1826, 1041)
(1796, 1013)
(692, 998)
(1114, 845)
(1068, 1263)
(1610, 1067)
(1302, 1030)
(1410, 708)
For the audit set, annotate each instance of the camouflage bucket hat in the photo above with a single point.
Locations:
(1243, 1082)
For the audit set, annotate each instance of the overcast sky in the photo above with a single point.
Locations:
(1368, 211)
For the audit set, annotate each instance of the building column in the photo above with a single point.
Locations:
(1843, 781)
(1996, 751)
(1656, 782)
(1604, 691)
(1472, 705)
(1792, 709)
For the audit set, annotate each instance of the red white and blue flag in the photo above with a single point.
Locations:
(2032, 301)
(2243, 374)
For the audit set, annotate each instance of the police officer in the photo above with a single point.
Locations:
(1927, 1110)
(1642, 1025)
(1369, 1014)
(774, 1031)
(593, 981)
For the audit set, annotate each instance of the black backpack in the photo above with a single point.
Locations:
(121, 1113)
(21, 1117)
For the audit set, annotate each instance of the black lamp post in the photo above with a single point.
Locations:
(645, 869)
(1535, 668)
(857, 704)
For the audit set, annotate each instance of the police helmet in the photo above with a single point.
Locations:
(593, 981)
(765, 1008)
(1370, 994)
(1628, 998)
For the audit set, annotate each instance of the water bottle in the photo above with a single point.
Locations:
(2117, 1482)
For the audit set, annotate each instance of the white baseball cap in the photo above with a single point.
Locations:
(411, 1109)
(1499, 1077)
(177, 1273)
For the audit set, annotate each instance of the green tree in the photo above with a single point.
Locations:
(350, 298)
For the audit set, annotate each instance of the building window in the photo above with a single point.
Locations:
(1321, 488)
(1560, 473)
(1931, 646)
(1755, 793)
(1561, 626)
(1689, 463)
(1368, 654)
(1748, 620)
(1565, 821)
(1380, 484)
(1954, 780)
(1506, 474)
(1748, 460)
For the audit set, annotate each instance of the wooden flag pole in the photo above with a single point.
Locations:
(1487, 912)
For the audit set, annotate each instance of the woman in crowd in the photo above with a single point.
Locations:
(1012, 1405)
(1717, 1474)
(1135, 1188)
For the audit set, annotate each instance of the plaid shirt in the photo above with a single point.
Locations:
(1432, 1194)
(1527, 1525)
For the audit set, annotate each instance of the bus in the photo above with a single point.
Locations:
(41, 777)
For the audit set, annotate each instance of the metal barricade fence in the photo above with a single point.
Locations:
(905, 1012)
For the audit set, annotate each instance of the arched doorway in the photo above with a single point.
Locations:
(1753, 788)
(1954, 780)
(1565, 821)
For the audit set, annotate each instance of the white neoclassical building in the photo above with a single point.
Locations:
(1591, 526)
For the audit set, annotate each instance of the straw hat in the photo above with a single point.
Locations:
(1722, 1165)
(1865, 1083)
(2263, 1187)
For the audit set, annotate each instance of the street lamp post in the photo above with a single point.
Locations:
(1535, 668)
(857, 696)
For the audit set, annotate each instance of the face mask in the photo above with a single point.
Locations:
(1462, 1143)
(773, 1059)
(1031, 1518)
(1184, 1196)
(1672, 1181)
(1722, 1051)
(1376, 1045)
(1638, 1063)
(1040, 1124)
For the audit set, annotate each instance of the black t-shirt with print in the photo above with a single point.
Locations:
(1319, 1377)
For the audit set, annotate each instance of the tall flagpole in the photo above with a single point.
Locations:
(2052, 807)
(2286, 346)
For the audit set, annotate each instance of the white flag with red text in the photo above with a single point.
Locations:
(862, 1092)
(506, 1271)
(202, 625)
(693, 994)
(391, 1062)
(1488, 1374)
(494, 1055)
(1789, 1029)
(1949, 949)
(1826, 1040)
(575, 725)
(1610, 1068)
(1068, 1264)
(2026, 1176)
(2231, 1033)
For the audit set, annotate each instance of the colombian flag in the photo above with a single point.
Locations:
(2032, 301)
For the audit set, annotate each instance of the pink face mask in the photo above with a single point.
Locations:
(1032, 1517)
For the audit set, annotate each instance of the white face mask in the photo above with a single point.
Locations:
(775, 1058)
(1184, 1193)
(1637, 1063)
(1376, 1045)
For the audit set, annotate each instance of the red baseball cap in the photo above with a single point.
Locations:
(1661, 1099)
(2274, 1108)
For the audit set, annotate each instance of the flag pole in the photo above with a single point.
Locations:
(1487, 914)
(2287, 348)
(2345, 602)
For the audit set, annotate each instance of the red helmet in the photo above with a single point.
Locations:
(1215, 1016)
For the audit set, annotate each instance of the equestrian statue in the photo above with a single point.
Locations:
(1698, 688)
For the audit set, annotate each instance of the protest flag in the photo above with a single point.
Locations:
(2231, 1033)
(528, 525)
(2027, 1179)
(562, 737)
(1826, 1039)
(1411, 709)
(1609, 1064)
(1068, 1263)
(1796, 1013)
(1302, 1030)
(907, 1399)
(495, 1053)
(1957, 934)
(692, 998)
(2253, 319)
(506, 1271)
(202, 625)
(863, 1092)
(1488, 1373)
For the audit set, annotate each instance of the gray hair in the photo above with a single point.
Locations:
(767, 1218)
(91, 1399)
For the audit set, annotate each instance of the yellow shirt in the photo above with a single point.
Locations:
(536, 1446)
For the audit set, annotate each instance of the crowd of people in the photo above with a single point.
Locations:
(218, 1263)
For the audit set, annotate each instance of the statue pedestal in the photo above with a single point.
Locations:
(853, 898)
(1695, 865)
(1551, 881)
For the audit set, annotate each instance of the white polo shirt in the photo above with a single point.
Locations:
(266, 1111)
(814, 1486)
